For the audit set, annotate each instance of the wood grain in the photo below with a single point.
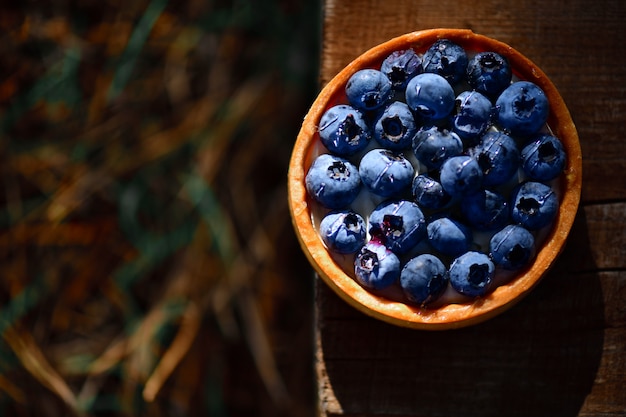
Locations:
(562, 350)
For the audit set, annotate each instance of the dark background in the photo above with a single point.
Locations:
(148, 265)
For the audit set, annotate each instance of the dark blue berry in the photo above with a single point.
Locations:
(401, 66)
(395, 127)
(522, 108)
(485, 210)
(333, 181)
(368, 89)
(433, 145)
(498, 157)
(461, 175)
(343, 231)
(429, 193)
(398, 224)
(376, 267)
(423, 279)
(512, 247)
(472, 273)
(534, 205)
(430, 96)
(343, 130)
(472, 116)
(386, 173)
(543, 159)
(449, 236)
(489, 73)
(447, 59)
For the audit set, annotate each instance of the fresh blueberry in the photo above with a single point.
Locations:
(395, 127)
(447, 59)
(485, 210)
(386, 173)
(376, 267)
(429, 193)
(543, 159)
(461, 175)
(471, 274)
(498, 157)
(423, 279)
(343, 231)
(368, 89)
(472, 116)
(449, 236)
(343, 130)
(533, 205)
(489, 73)
(522, 108)
(398, 224)
(433, 145)
(512, 247)
(430, 96)
(333, 181)
(401, 66)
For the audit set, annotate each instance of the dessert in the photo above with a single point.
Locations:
(458, 192)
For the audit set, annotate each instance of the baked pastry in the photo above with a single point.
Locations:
(453, 313)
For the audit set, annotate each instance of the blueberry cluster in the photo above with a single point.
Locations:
(440, 171)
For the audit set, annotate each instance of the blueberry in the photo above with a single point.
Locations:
(512, 247)
(368, 89)
(343, 130)
(485, 210)
(471, 274)
(376, 267)
(423, 279)
(449, 236)
(429, 193)
(543, 159)
(461, 175)
(430, 96)
(395, 127)
(533, 205)
(433, 145)
(489, 73)
(398, 224)
(401, 66)
(333, 181)
(343, 231)
(447, 59)
(386, 173)
(522, 108)
(498, 157)
(472, 116)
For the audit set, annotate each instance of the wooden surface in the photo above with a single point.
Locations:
(562, 350)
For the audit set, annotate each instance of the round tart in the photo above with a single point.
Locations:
(457, 313)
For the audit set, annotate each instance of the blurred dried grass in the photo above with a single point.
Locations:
(148, 266)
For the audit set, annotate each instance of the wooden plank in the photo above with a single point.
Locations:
(562, 350)
(596, 241)
(547, 356)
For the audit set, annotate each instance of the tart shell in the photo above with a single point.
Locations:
(451, 315)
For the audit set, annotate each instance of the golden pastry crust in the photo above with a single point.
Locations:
(451, 315)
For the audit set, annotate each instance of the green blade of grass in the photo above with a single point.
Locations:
(133, 48)
(57, 85)
(22, 303)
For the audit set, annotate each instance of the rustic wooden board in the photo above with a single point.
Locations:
(562, 350)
